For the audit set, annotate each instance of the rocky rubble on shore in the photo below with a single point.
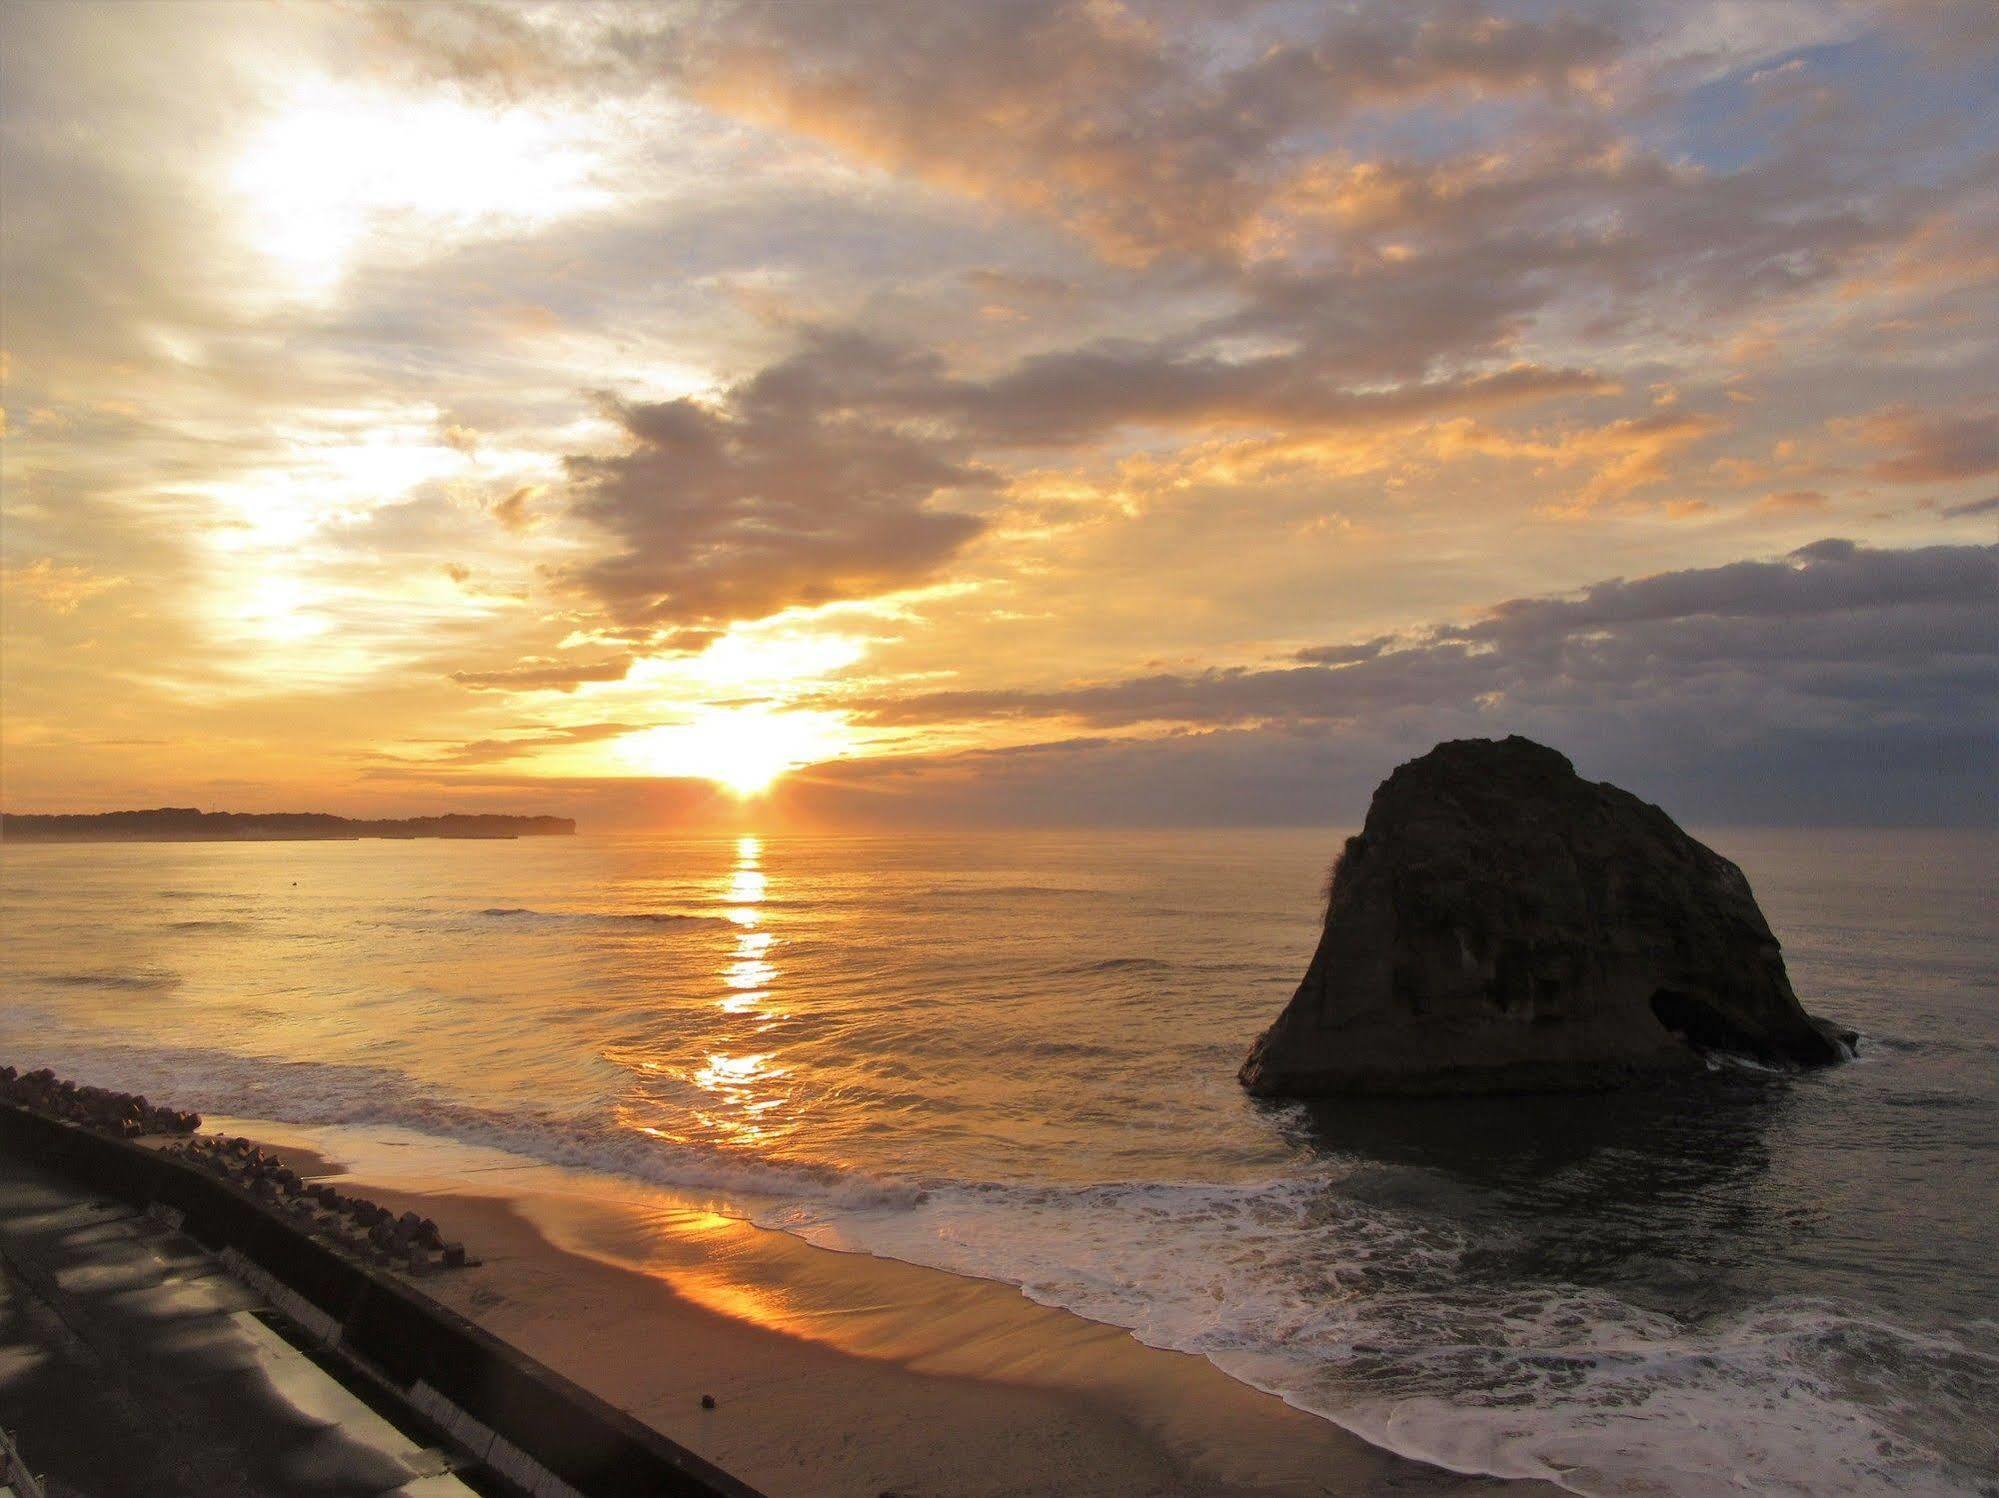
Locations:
(354, 1224)
(123, 1114)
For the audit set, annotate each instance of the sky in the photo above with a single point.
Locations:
(1032, 412)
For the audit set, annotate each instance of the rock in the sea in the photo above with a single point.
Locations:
(1501, 924)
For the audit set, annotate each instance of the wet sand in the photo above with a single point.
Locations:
(836, 1373)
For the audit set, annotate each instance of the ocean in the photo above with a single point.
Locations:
(1013, 1056)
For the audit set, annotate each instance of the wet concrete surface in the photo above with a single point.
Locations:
(131, 1364)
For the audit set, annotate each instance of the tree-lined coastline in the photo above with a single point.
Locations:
(186, 824)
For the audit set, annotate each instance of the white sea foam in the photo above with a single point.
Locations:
(1353, 1312)
(1366, 1318)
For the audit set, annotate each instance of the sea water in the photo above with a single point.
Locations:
(1014, 1056)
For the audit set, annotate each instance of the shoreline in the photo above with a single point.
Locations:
(835, 1372)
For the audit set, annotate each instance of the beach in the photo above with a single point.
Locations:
(835, 1373)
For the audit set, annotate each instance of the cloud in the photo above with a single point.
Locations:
(1838, 683)
(1833, 628)
(786, 492)
(540, 674)
(818, 479)
(1793, 501)
(512, 511)
(1150, 327)
(59, 587)
(1345, 655)
(1075, 396)
(497, 751)
(1864, 775)
(1105, 118)
(1930, 447)
(1624, 455)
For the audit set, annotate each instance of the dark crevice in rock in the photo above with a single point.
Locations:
(1696, 1023)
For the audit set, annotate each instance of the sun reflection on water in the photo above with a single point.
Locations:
(743, 1082)
(739, 1093)
(747, 885)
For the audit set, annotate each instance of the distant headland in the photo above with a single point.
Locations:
(185, 824)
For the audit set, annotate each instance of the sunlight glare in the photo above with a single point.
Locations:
(336, 168)
(744, 749)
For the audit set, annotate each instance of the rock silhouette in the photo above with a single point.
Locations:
(1501, 924)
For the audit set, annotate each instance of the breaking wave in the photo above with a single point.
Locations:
(1370, 1317)
(600, 917)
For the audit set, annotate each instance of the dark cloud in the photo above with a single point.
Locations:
(495, 751)
(1832, 621)
(787, 492)
(1828, 579)
(1318, 776)
(1233, 695)
(1838, 684)
(1015, 286)
(1075, 396)
(1985, 506)
(818, 479)
(1082, 394)
(541, 674)
(1345, 655)
(1114, 120)
(1838, 644)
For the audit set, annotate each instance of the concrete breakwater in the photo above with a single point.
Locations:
(374, 1233)
(519, 1420)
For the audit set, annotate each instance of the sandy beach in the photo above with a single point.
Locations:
(835, 1373)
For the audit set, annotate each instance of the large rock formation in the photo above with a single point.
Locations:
(1502, 924)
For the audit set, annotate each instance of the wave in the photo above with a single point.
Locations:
(1004, 892)
(1372, 1317)
(1799, 1397)
(145, 980)
(601, 917)
(1115, 965)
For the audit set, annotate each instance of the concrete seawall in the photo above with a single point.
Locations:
(524, 1422)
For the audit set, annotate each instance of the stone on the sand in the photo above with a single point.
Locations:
(1501, 924)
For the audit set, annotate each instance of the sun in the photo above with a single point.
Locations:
(335, 169)
(745, 750)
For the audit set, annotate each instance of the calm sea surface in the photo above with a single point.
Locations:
(1014, 1056)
